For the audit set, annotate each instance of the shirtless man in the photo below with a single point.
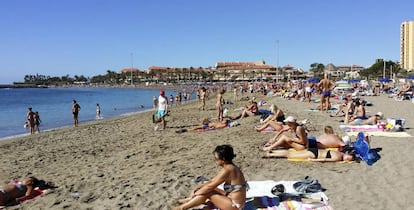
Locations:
(326, 85)
(75, 111)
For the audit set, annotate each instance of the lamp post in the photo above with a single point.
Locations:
(383, 73)
(277, 62)
(132, 67)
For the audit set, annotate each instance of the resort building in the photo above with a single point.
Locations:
(407, 45)
(343, 72)
(244, 71)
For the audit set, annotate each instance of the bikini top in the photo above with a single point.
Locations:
(228, 188)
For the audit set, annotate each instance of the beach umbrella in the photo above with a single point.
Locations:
(314, 80)
(353, 81)
(385, 79)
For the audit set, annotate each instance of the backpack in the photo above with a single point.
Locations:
(363, 151)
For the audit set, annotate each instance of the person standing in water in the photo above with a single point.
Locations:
(98, 111)
(31, 120)
(37, 122)
(75, 111)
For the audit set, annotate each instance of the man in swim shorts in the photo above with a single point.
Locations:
(326, 85)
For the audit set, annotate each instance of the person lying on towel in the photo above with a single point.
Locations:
(312, 154)
(206, 124)
(329, 139)
(17, 192)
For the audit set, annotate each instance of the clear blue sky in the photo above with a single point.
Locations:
(89, 37)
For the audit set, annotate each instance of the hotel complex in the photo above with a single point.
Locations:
(407, 45)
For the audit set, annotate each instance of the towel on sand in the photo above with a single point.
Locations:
(381, 133)
(260, 197)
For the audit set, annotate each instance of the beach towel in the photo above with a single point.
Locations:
(260, 197)
(306, 160)
(382, 133)
(318, 110)
(359, 128)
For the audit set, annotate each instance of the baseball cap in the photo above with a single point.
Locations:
(290, 119)
(162, 92)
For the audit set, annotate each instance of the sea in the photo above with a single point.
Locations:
(55, 105)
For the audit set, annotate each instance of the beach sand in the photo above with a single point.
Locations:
(122, 163)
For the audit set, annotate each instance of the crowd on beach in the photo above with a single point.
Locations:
(292, 139)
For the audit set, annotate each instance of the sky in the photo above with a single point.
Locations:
(90, 37)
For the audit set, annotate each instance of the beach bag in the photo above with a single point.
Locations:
(363, 151)
(308, 185)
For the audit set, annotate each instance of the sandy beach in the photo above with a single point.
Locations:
(122, 163)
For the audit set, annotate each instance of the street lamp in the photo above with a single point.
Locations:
(132, 67)
(277, 62)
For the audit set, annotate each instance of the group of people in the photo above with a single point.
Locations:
(33, 121)
(33, 118)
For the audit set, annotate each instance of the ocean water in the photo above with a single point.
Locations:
(55, 105)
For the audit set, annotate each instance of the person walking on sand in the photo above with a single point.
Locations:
(75, 112)
(37, 122)
(162, 110)
(233, 194)
(31, 120)
(202, 96)
(326, 85)
(219, 105)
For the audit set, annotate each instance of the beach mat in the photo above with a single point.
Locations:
(317, 110)
(360, 128)
(260, 197)
(382, 133)
(306, 160)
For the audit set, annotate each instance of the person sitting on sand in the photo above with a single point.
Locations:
(251, 110)
(360, 112)
(235, 186)
(342, 109)
(373, 120)
(275, 120)
(299, 142)
(312, 154)
(12, 194)
(206, 124)
(329, 139)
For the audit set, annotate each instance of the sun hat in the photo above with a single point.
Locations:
(290, 119)
(380, 114)
(162, 92)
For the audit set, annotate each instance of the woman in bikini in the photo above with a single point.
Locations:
(299, 142)
(233, 197)
(15, 193)
(312, 154)
(275, 120)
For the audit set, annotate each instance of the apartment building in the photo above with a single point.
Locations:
(407, 45)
